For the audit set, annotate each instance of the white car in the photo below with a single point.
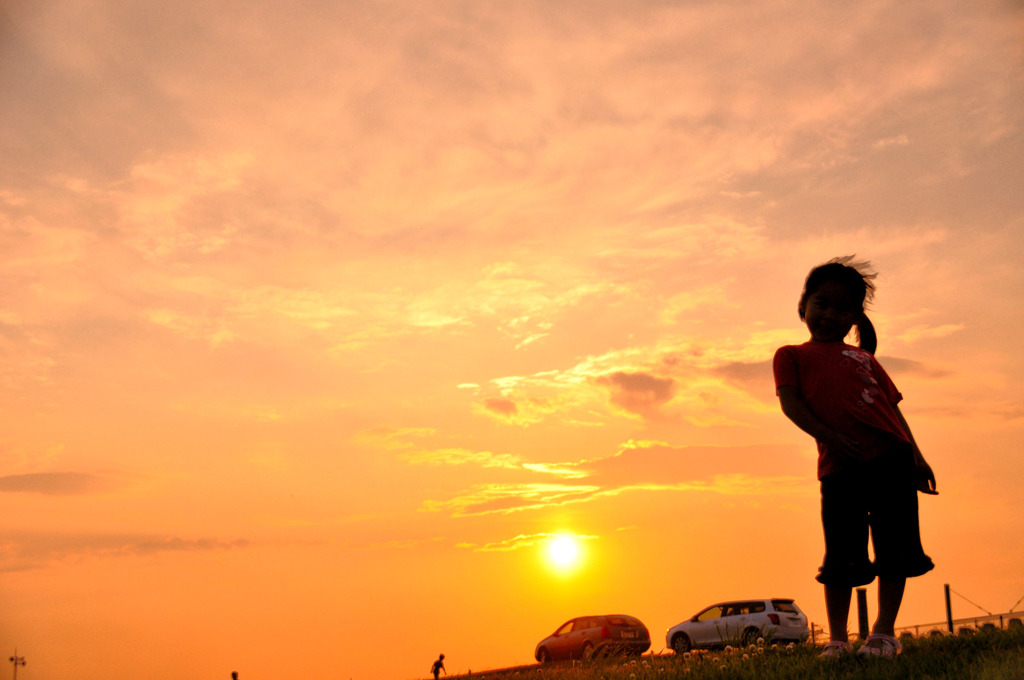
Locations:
(740, 623)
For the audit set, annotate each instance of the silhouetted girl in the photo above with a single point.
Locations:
(869, 466)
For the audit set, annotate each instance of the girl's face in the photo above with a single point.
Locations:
(831, 311)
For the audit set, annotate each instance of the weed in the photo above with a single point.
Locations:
(987, 655)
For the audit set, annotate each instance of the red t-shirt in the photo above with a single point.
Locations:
(848, 390)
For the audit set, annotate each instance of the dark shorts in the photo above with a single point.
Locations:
(880, 495)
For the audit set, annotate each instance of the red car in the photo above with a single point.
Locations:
(588, 636)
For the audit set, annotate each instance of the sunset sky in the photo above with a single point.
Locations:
(320, 320)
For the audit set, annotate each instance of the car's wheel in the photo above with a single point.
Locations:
(750, 636)
(681, 643)
(543, 656)
(588, 651)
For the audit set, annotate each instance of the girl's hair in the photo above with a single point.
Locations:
(856, 277)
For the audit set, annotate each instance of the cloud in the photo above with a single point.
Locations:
(638, 393)
(522, 541)
(929, 332)
(409, 443)
(564, 470)
(752, 374)
(393, 438)
(55, 483)
(486, 499)
(898, 140)
(642, 467)
(1011, 411)
(679, 305)
(501, 406)
(177, 204)
(913, 367)
(672, 379)
(456, 456)
(520, 409)
(213, 332)
(400, 544)
(25, 551)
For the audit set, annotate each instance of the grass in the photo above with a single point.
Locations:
(989, 655)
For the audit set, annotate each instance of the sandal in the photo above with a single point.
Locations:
(887, 646)
(834, 649)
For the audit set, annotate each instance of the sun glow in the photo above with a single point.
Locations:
(563, 551)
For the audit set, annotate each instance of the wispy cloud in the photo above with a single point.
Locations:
(56, 483)
(26, 551)
(640, 467)
(501, 406)
(920, 332)
(520, 409)
(638, 393)
(522, 541)
(486, 499)
(394, 437)
(456, 456)
(900, 365)
(674, 380)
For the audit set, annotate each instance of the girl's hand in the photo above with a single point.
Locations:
(925, 478)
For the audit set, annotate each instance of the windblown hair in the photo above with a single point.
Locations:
(857, 277)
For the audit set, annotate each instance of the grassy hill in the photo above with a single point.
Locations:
(987, 655)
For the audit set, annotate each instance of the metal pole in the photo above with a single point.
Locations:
(862, 612)
(949, 611)
(17, 661)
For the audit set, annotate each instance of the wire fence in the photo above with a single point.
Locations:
(967, 626)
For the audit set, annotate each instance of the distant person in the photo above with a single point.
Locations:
(869, 465)
(438, 667)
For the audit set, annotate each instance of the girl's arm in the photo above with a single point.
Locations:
(925, 476)
(796, 410)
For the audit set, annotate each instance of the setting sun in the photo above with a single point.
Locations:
(563, 551)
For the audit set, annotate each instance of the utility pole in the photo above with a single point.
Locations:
(17, 661)
(949, 610)
(862, 613)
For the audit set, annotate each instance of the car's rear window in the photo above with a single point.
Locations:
(623, 621)
(784, 606)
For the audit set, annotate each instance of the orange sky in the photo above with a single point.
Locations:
(319, 320)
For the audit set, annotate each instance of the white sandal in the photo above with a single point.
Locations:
(889, 646)
(835, 648)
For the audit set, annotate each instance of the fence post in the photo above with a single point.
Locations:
(862, 612)
(949, 611)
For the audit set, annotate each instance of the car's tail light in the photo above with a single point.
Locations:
(605, 633)
(774, 618)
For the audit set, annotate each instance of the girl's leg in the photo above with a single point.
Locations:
(890, 596)
(837, 604)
